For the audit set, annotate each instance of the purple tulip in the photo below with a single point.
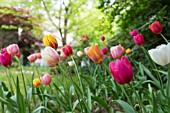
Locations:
(104, 50)
(122, 71)
(6, 59)
(102, 38)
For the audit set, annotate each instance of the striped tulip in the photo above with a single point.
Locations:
(50, 40)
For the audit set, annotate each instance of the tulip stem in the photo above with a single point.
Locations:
(168, 82)
(164, 38)
(9, 80)
(139, 99)
(22, 75)
(123, 89)
(153, 64)
(77, 73)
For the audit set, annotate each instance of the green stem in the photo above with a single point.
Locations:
(168, 82)
(23, 79)
(9, 80)
(51, 89)
(77, 73)
(153, 65)
(37, 70)
(139, 100)
(164, 38)
(12, 76)
(123, 89)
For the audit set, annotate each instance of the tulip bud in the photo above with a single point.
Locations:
(50, 56)
(32, 57)
(133, 33)
(38, 55)
(80, 53)
(161, 54)
(122, 71)
(104, 50)
(13, 49)
(117, 51)
(59, 52)
(95, 54)
(36, 82)
(67, 50)
(46, 79)
(138, 39)
(102, 38)
(50, 40)
(155, 27)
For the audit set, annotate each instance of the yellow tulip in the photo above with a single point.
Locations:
(50, 40)
(37, 82)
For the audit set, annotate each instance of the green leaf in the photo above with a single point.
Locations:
(126, 107)
(20, 100)
(100, 101)
(40, 108)
(89, 98)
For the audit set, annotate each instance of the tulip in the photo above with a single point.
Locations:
(32, 57)
(13, 49)
(64, 57)
(122, 71)
(80, 53)
(67, 50)
(3, 50)
(128, 51)
(19, 54)
(102, 38)
(50, 40)
(155, 27)
(86, 49)
(104, 50)
(111, 56)
(36, 82)
(6, 59)
(59, 52)
(38, 55)
(138, 39)
(117, 51)
(161, 54)
(133, 33)
(50, 56)
(71, 63)
(46, 79)
(95, 54)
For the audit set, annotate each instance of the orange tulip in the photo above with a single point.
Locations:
(156, 27)
(95, 54)
(50, 40)
(32, 57)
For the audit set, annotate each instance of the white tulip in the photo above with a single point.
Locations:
(71, 63)
(161, 54)
(80, 53)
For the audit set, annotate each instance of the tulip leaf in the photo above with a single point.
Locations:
(40, 108)
(126, 107)
(100, 101)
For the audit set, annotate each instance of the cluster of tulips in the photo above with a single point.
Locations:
(120, 67)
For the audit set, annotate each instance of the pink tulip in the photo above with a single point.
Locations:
(3, 50)
(6, 59)
(32, 57)
(13, 49)
(102, 38)
(50, 56)
(46, 79)
(138, 39)
(133, 33)
(117, 51)
(122, 71)
(104, 50)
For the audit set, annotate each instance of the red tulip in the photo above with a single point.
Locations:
(122, 71)
(155, 27)
(138, 39)
(46, 79)
(67, 50)
(6, 59)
